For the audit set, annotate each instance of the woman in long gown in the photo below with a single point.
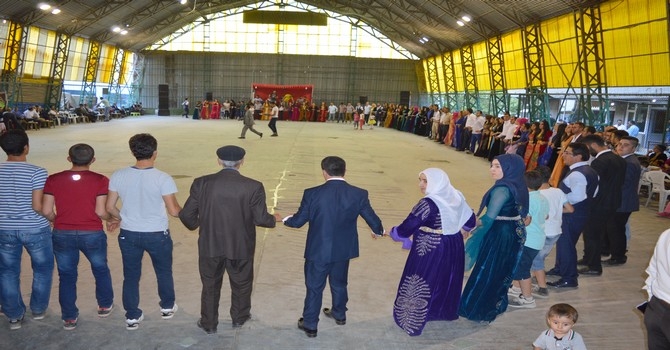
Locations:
(216, 110)
(196, 111)
(460, 124)
(204, 111)
(532, 139)
(452, 129)
(496, 244)
(541, 142)
(556, 142)
(430, 286)
(557, 170)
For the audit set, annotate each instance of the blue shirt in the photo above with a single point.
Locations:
(538, 208)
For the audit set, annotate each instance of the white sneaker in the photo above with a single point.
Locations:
(132, 325)
(167, 314)
(522, 302)
(514, 291)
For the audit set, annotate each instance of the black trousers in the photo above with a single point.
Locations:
(272, 125)
(241, 277)
(657, 321)
(597, 226)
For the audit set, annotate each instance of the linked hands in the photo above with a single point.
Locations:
(112, 224)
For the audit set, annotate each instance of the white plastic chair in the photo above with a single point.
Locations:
(658, 179)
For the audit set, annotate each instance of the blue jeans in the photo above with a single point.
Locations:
(67, 244)
(38, 244)
(159, 246)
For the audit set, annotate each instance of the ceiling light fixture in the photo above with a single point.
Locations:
(124, 32)
(460, 23)
(116, 29)
(44, 6)
(183, 2)
(653, 101)
(466, 18)
(55, 11)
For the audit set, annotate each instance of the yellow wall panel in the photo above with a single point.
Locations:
(660, 73)
(658, 36)
(440, 73)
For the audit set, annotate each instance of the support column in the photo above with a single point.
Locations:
(469, 78)
(118, 69)
(589, 33)
(449, 80)
(91, 74)
(137, 78)
(499, 97)
(537, 100)
(433, 82)
(10, 78)
(58, 64)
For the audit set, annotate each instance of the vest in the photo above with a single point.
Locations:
(591, 176)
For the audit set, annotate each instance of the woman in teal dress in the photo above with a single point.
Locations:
(495, 245)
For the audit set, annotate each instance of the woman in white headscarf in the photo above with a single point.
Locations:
(431, 283)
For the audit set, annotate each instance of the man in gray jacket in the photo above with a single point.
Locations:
(249, 122)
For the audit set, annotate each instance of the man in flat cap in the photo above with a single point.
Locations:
(227, 207)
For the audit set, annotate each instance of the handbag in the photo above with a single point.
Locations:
(544, 158)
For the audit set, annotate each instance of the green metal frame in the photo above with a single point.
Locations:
(434, 83)
(451, 90)
(91, 73)
(10, 80)
(537, 99)
(589, 34)
(499, 102)
(469, 77)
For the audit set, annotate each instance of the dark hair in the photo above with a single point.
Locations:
(334, 166)
(143, 146)
(533, 179)
(563, 310)
(545, 172)
(632, 139)
(14, 142)
(620, 134)
(580, 149)
(662, 147)
(560, 135)
(81, 154)
(593, 139)
(632, 122)
(591, 129)
(469, 110)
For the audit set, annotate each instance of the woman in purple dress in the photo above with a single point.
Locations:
(430, 286)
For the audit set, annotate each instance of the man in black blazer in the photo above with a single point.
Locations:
(332, 210)
(227, 207)
(611, 170)
(616, 241)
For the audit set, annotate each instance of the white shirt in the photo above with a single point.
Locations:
(658, 282)
(479, 125)
(576, 181)
(436, 117)
(556, 199)
(275, 112)
(445, 118)
(470, 121)
(332, 109)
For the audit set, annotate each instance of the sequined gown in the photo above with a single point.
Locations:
(430, 286)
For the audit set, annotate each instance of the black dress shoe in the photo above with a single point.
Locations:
(553, 272)
(562, 284)
(589, 272)
(241, 323)
(614, 262)
(208, 331)
(329, 313)
(311, 333)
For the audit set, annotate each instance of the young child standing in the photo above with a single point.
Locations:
(558, 204)
(561, 318)
(357, 119)
(372, 121)
(538, 208)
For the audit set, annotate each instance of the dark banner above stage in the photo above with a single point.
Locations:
(286, 94)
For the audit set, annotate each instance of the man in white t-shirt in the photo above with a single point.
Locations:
(274, 114)
(146, 193)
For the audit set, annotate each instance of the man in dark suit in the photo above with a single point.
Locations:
(227, 207)
(616, 240)
(611, 170)
(332, 210)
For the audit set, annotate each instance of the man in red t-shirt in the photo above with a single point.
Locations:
(79, 197)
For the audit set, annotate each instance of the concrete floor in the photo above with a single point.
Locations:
(385, 162)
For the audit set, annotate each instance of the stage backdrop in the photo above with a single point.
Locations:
(286, 94)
